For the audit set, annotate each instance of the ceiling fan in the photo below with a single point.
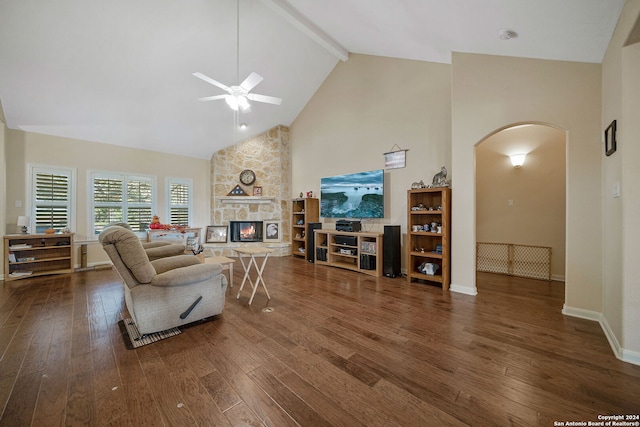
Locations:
(239, 96)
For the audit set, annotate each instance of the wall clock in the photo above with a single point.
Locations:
(247, 177)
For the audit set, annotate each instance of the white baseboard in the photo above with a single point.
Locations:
(620, 353)
(557, 278)
(467, 290)
(581, 313)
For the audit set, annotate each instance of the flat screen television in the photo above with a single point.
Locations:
(354, 195)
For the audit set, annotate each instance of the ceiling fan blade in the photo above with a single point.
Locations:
(212, 98)
(251, 81)
(264, 98)
(213, 82)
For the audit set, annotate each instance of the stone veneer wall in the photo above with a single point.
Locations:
(268, 155)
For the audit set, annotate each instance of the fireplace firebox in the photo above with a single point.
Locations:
(245, 231)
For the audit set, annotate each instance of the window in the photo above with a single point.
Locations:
(121, 198)
(179, 201)
(51, 198)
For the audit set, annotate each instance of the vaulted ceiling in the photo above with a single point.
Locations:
(120, 71)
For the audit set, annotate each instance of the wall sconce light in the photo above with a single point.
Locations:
(517, 160)
(23, 221)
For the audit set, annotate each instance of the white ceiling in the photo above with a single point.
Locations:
(120, 71)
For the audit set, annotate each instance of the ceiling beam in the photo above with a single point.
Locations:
(308, 27)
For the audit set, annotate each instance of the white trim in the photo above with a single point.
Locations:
(619, 352)
(73, 185)
(308, 28)
(580, 313)
(557, 277)
(630, 356)
(467, 290)
(247, 199)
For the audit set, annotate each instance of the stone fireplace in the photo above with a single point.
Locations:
(268, 155)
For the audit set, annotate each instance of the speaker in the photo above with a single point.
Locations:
(391, 251)
(311, 240)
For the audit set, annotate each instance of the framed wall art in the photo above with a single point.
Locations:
(273, 231)
(610, 144)
(216, 234)
(396, 158)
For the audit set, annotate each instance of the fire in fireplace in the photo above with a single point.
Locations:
(245, 231)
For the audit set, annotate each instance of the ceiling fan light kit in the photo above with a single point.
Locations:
(238, 97)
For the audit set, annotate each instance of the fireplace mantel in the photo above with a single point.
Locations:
(246, 199)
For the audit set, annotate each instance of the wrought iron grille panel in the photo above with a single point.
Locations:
(514, 260)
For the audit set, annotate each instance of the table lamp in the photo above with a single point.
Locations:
(23, 221)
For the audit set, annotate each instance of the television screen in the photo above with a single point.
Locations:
(355, 195)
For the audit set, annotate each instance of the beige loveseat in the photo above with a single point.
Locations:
(167, 292)
(159, 248)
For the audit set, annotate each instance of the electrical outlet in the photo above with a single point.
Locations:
(18, 203)
(510, 203)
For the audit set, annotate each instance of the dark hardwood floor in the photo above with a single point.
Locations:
(339, 349)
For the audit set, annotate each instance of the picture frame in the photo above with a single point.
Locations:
(610, 144)
(193, 244)
(272, 231)
(216, 234)
(257, 190)
(395, 159)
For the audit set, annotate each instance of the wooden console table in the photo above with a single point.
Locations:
(357, 251)
(173, 235)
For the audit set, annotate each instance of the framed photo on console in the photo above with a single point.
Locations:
(273, 231)
(216, 234)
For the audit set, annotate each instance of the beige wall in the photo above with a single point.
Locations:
(366, 106)
(492, 93)
(3, 165)
(24, 148)
(621, 234)
(536, 190)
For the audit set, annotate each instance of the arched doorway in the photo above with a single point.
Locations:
(521, 207)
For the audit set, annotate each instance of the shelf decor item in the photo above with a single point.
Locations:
(247, 177)
(273, 232)
(237, 191)
(216, 234)
(23, 221)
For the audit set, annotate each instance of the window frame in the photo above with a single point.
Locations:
(180, 181)
(125, 178)
(32, 204)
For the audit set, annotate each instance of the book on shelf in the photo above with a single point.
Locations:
(20, 273)
(19, 246)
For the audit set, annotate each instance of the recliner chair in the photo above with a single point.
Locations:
(167, 292)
